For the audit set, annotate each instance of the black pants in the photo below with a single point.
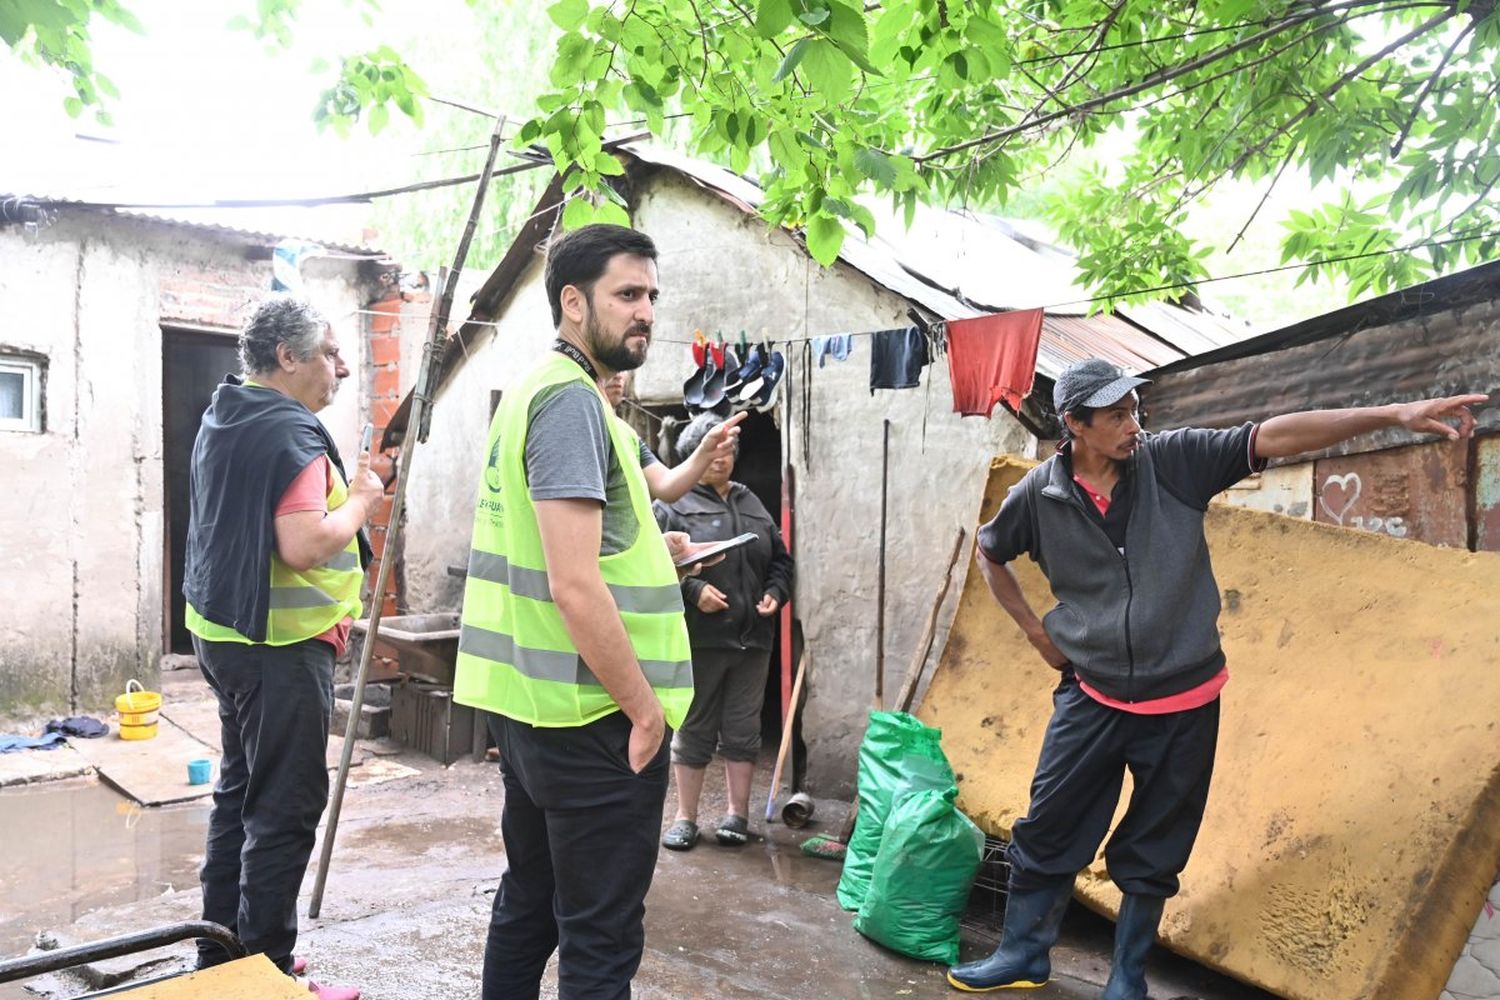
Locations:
(1077, 785)
(580, 833)
(274, 708)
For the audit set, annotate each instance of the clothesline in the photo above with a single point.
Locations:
(1074, 302)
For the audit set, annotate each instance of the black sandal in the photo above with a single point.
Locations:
(733, 831)
(680, 836)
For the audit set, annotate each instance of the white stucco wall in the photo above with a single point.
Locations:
(81, 513)
(440, 494)
(721, 270)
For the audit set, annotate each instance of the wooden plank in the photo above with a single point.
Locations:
(153, 772)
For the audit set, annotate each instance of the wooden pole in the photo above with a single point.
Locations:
(924, 645)
(786, 736)
(419, 420)
(885, 467)
(913, 672)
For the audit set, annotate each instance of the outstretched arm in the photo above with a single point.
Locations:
(1312, 430)
(672, 484)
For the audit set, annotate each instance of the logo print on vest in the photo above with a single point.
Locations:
(492, 469)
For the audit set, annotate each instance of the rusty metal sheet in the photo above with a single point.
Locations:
(1446, 353)
(1487, 494)
(1419, 492)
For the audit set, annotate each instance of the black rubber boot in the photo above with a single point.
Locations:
(1032, 922)
(1134, 932)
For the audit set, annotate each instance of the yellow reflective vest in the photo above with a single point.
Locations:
(515, 657)
(305, 603)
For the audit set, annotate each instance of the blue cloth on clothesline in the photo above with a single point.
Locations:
(837, 346)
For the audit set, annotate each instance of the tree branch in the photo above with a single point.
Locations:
(1291, 153)
(1416, 107)
(1150, 81)
(1339, 84)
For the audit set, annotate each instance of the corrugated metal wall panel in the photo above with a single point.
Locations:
(1419, 493)
(1443, 354)
(1487, 494)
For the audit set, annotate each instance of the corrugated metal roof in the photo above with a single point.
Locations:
(1439, 338)
(1001, 266)
(202, 220)
(956, 264)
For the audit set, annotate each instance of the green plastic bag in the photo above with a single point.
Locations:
(928, 859)
(897, 750)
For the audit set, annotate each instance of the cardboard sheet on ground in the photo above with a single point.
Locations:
(26, 766)
(1353, 829)
(153, 772)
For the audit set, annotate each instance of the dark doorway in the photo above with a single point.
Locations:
(759, 467)
(192, 364)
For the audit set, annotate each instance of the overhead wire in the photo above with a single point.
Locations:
(1303, 265)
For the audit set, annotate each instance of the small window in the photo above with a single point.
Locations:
(20, 394)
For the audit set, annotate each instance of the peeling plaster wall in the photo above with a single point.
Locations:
(723, 271)
(82, 512)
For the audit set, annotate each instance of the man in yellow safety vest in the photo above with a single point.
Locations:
(275, 558)
(573, 636)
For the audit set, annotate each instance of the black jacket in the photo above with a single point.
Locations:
(252, 443)
(745, 576)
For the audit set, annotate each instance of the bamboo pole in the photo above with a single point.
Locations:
(420, 420)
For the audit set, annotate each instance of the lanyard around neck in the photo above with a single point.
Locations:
(578, 357)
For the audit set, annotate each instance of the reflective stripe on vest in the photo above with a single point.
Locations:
(303, 604)
(532, 583)
(515, 656)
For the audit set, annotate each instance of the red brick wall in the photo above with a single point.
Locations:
(384, 352)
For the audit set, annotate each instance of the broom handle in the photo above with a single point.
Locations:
(786, 736)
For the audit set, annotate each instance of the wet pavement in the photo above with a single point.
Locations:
(412, 881)
(76, 845)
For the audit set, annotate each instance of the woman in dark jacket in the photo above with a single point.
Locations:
(731, 608)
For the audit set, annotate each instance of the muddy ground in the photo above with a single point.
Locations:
(412, 880)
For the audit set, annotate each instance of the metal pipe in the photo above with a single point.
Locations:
(126, 944)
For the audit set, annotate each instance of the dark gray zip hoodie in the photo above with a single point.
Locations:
(1136, 626)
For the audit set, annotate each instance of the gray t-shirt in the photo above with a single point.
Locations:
(569, 457)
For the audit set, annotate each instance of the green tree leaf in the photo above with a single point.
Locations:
(794, 57)
(579, 213)
(825, 235)
(772, 17)
(568, 14)
(829, 71)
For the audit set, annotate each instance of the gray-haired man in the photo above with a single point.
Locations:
(1115, 520)
(275, 559)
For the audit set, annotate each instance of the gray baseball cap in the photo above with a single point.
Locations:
(1092, 382)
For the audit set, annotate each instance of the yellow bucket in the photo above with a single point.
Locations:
(137, 710)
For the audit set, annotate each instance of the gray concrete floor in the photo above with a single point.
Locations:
(413, 876)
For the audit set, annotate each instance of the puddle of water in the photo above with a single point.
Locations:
(68, 847)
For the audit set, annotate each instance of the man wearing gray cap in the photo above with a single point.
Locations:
(1115, 520)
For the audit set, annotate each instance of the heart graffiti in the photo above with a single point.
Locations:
(1349, 487)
